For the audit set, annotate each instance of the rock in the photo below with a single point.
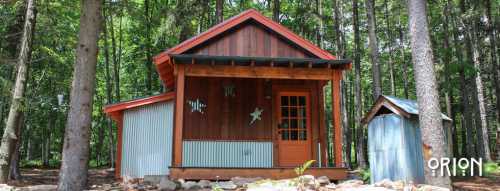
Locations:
(308, 181)
(241, 181)
(350, 184)
(331, 186)
(226, 185)
(431, 188)
(323, 180)
(152, 179)
(167, 185)
(190, 185)
(5, 187)
(42, 188)
(204, 184)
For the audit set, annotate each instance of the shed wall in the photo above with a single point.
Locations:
(147, 140)
(395, 149)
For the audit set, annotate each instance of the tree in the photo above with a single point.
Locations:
(430, 120)
(374, 54)
(73, 173)
(219, 11)
(276, 10)
(11, 132)
(357, 101)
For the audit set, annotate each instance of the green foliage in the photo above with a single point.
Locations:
(301, 169)
(365, 174)
(491, 168)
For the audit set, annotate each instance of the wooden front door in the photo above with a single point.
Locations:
(294, 129)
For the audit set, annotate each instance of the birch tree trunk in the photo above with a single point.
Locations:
(10, 137)
(430, 120)
(73, 173)
(373, 44)
(388, 35)
(358, 97)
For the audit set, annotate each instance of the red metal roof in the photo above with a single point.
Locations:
(166, 71)
(114, 110)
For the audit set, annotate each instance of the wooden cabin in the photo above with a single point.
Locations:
(245, 98)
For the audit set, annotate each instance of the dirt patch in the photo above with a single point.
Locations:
(477, 183)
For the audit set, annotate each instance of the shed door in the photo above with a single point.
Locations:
(294, 129)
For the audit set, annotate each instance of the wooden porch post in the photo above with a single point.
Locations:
(336, 77)
(179, 112)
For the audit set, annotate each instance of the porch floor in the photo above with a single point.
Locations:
(208, 173)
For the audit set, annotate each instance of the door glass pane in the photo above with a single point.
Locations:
(293, 124)
(284, 124)
(303, 135)
(284, 111)
(302, 123)
(293, 100)
(294, 135)
(284, 135)
(302, 100)
(284, 100)
(293, 112)
(302, 112)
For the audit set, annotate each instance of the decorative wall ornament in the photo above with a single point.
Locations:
(229, 90)
(256, 115)
(197, 106)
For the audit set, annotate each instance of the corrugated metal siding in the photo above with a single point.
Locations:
(147, 140)
(395, 149)
(227, 154)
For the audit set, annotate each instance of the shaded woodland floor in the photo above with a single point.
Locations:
(103, 179)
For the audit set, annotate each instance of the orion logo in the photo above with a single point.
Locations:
(450, 167)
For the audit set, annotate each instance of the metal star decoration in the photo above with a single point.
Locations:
(197, 105)
(256, 115)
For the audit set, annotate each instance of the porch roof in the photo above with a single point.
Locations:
(259, 61)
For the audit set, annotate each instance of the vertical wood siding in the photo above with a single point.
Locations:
(147, 140)
(395, 149)
(251, 39)
(243, 154)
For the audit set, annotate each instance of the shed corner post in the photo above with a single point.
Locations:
(179, 118)
(336, 122)
(119, 145)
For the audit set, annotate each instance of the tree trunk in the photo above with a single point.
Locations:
(449, 89)
(276, 10)
(219, 11)
(346, 133)
(320, 30)
(481, 123)
(15, 173)
(431, 125)
(9, 137)
(73, 173)
(337, 26)
(148, 64)
(374, 54)
(402, 52)
(116, 65)
(109, 89)
(490, 24)
(388, 35)
(358, 97)
(466, 115)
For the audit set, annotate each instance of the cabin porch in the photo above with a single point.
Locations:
(237, 116)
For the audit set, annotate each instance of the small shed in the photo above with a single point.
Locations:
(394, 140)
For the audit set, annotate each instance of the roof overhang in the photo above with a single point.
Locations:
(115, 110)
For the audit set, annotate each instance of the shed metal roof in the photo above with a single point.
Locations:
(405, 107)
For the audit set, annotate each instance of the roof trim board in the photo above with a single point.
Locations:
(114, 109)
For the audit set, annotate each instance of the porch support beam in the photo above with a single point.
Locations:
(179, 118)
(258, 72)
(335, 80)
